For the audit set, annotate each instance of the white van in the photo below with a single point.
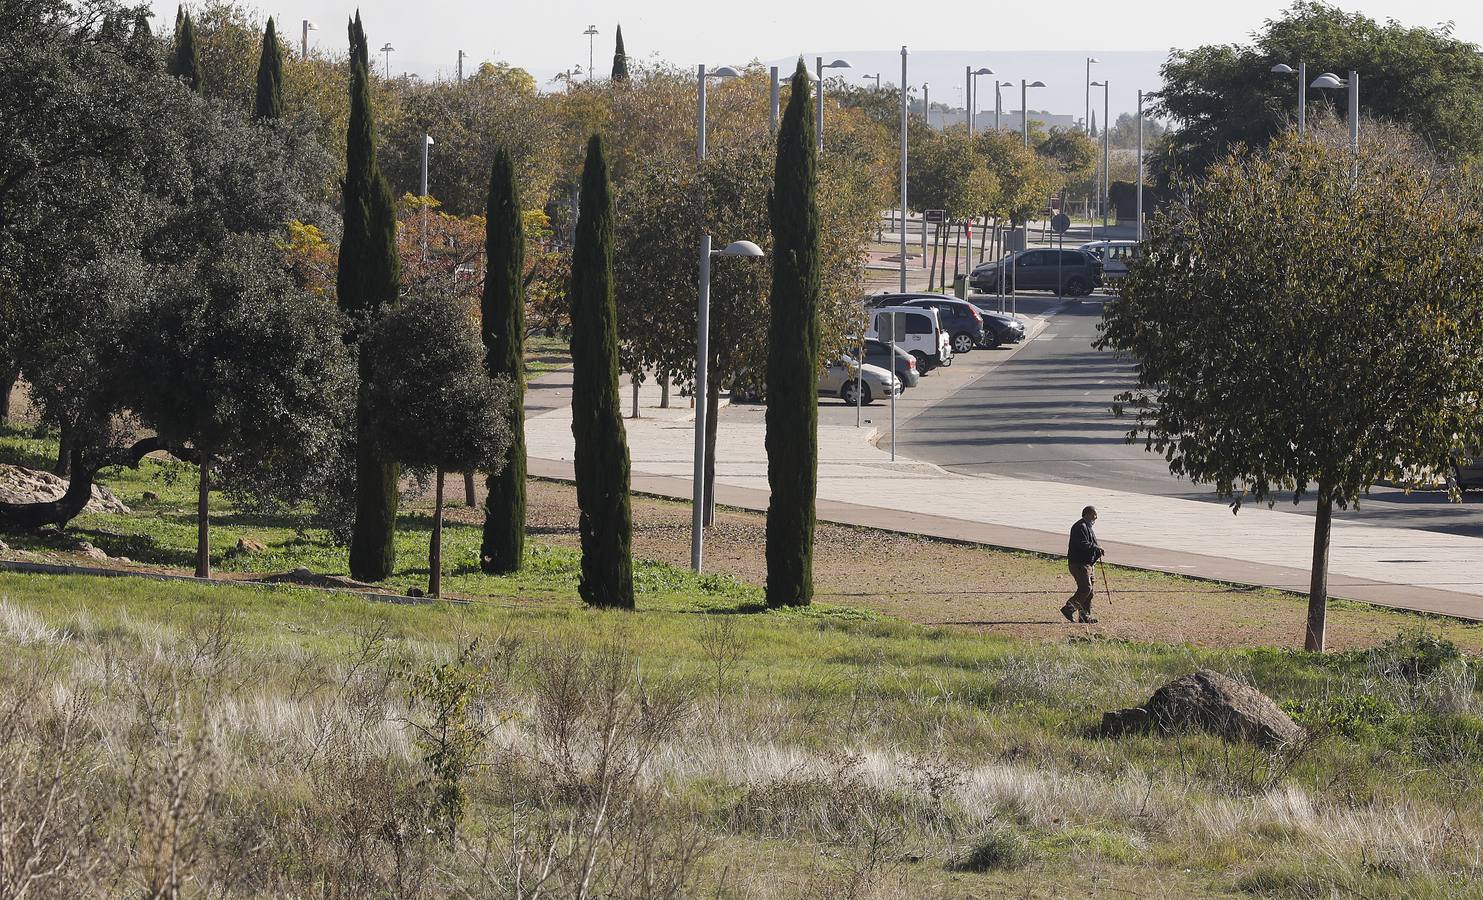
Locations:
(1115, 256)
(918, 331)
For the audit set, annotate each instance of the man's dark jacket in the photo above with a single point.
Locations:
(1084, 549)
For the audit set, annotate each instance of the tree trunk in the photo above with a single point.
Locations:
(9, 375)
(635, 381)
(203, 517)
(468, 489)
(1318, 590)
(435, 545)
(63, 466)
(79, 490)
(377, 494)
(983, 238)
(664, 391)
(961, 230)
(712, 406)
(942, 276)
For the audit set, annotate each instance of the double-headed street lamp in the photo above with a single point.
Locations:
(1025, 108)
(591, 33)
(698, 499)
(971, 81)
(388, 49)
(820, 66)
(1285, 69)
(1330, 81)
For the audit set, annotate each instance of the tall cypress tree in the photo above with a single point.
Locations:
(793, 356)
(620, 59)
(503, 326)
(185, 59)
(269, 103)
(368, 279)
(601, 458)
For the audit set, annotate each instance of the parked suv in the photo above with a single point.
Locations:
(1467, 473)
(918, 332)
(1079, 272)
(964, 324)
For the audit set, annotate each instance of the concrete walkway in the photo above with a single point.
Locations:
(860, 485)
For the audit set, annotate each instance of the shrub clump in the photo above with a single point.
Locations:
(1000, 849)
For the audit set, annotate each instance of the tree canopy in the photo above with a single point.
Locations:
(1306, 321)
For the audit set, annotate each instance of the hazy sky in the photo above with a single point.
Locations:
(547, 37)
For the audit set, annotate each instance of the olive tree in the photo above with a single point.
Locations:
(1308, 321)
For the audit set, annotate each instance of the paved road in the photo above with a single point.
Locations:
(1044, 414)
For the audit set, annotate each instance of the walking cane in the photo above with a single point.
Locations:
(1103, 569)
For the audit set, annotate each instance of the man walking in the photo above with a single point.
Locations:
(1081, 555)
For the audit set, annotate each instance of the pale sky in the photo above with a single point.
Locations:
(547, 37)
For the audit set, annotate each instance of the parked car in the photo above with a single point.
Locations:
(1115, 256)
(963, 321)
(878, 353)
(840, 378)
(999, 328)
(918, 332)
(1467, 473)
(1079, 272)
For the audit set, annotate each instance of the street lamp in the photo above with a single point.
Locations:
(388, 49)
(1086, 122)
(461, 55)
(905, 110)
(973, 93)
(1106, 176)
(927, 103)
(702, 358)
(702, 75)
(427, 141)
(1285, 69)
(819, 113)
(591, 33)
(304, 41)
(1139, 233)
(876, 76)
(1025, 109)
(999, 100)
(1330, 81)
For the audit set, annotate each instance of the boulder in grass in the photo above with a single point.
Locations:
(1211, 702)
(247, 546)
(19, 484)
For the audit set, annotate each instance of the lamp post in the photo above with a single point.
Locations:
(702, 359)
(461, 55)
(701, 76)
(973, 95)
(1106, 179)
(1025, 109)
(1086, 122)
(427, 141)
(905, 110)
(1139, 233)
(819, 113)
(927, 103)
(1285, 69)
(876, 76)
(388, 49)
(999, 99)
(1330, 81)
(304, 41)
(774, 71)
(591, 33)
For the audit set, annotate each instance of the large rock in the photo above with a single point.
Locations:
(21, 485)
(1211, 702)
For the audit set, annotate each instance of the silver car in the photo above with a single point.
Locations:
(839, 380)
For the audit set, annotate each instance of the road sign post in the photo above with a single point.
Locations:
(1059, 223)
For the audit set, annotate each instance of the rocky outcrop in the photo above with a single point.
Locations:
(1208, 701)
(21, 485)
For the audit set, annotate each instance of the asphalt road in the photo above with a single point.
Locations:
(1044, 414)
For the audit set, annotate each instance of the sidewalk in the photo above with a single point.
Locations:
(860, 485)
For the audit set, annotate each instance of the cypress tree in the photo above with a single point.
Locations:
(793, 356)
(142, 50)
(185, 59)
(368, 279)
(601, 458)
(269, 103)
(502, 314)
(620, 59)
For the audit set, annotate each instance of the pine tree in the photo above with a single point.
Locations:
(503, 326)
(269, 103)
(601, 458)
(185, 59)
(793, 356)
(142, 51)
(620, 59)
(367, 280)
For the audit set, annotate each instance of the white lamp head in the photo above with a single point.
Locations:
(837, 64)
(1036, 84)
(984, 70)
(310, 25)
(724, 72)
(1329, 80)
(1282, 69)
(742, 248)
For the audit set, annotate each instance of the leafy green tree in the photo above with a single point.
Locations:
(502, 318)
(185, 60)
(601, 460)
(233, 362)
(436, 405)
(1340, 355)
(269, 104)
(1218, 96)
(620, 58)
(368, 280)
(793, 354)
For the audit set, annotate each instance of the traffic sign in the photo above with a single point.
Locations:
(935, 216)
(1060, 222)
